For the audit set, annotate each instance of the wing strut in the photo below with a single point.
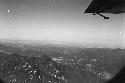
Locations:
(101, 15)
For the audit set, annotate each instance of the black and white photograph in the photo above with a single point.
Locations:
(62, 41)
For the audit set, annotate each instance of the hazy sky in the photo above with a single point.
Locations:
(58, 21)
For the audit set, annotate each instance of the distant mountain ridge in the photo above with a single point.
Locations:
(59, 44)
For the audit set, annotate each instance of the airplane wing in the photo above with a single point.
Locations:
(106, 6)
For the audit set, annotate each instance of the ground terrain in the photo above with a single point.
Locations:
(81, 65)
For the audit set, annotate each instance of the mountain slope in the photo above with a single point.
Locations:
(16, 68)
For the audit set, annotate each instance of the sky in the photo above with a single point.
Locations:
(59, 21)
